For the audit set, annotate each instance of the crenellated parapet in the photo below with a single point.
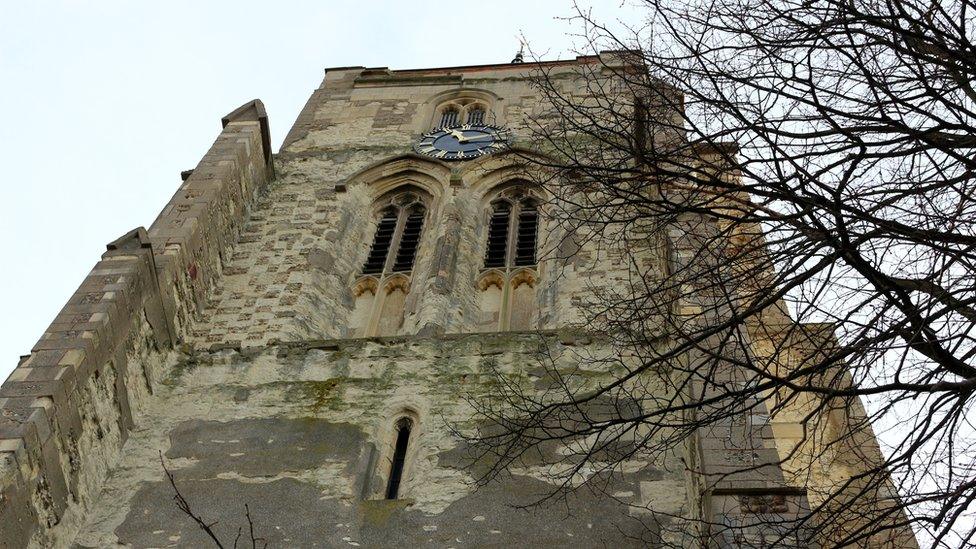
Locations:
(67, 408)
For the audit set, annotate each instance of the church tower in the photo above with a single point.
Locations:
(309, 333)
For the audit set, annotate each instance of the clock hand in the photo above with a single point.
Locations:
(474, 138)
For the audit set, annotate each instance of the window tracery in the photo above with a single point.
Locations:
(512, 229)
(399, 228)
(507, 281)
(463, 110)
(380, 292)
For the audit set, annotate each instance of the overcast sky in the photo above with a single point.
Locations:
(106, 102)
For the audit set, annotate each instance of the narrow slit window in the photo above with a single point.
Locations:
(381, 243)
(528, 220)
(449, 118)
(409, 240)
(399, 458)
(498, 235)
(476, 116)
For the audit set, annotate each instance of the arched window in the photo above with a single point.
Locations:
(381, 292)
(476, 115)
(450, 117)
(382, 239)
(495, 254)
(403, 428)
(398, 228)
(462, 109)
(507, 282)
(512, 231)
(528, 220)
(409, 240)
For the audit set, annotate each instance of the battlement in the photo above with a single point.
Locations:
(66, 410)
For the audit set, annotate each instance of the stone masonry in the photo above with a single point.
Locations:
(238, 341)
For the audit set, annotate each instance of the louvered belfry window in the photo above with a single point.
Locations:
(398, 231)
(498, 235)
(525, 242)
(449, 118)
(409, 240)
(512, 233)
(476, 116)
(381, 242)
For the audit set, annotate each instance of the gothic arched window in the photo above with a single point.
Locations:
(399, 229)
(382, 239)
(462, 110)
(476, 115)
(403, 427)
(512, 231)
(381, 292)
(507, 282)
(450, 117)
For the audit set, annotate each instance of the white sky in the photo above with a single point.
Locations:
(106, 102)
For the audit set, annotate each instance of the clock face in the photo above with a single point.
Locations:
(462, 142)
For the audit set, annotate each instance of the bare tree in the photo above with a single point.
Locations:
(184, 506)
(804, 172)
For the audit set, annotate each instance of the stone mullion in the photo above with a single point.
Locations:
(394, 243)
(505, 312)
(372, 324)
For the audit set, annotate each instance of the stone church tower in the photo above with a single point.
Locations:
(299, 332)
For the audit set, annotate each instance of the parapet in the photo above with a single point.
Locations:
(66, 410)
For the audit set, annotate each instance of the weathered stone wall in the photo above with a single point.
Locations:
(293, 273)
(67, 409)
(212, 271)
(292, 276)
(290, 430)
(223, 338)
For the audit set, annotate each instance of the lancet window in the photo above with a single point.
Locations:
(507, 281)
(399, 228)
(512, 231)
(403, 427)
(476, 115)
(450, 117)
(462, 110)
(381, 291)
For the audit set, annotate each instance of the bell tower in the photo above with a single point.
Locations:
(311, 333)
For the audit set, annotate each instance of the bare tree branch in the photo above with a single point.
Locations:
(792, 186)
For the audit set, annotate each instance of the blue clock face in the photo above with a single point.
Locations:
(462, 142)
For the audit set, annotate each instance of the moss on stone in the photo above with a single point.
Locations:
(378, 512)
(322, 394)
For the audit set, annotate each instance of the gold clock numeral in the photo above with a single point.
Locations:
(440, 154)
